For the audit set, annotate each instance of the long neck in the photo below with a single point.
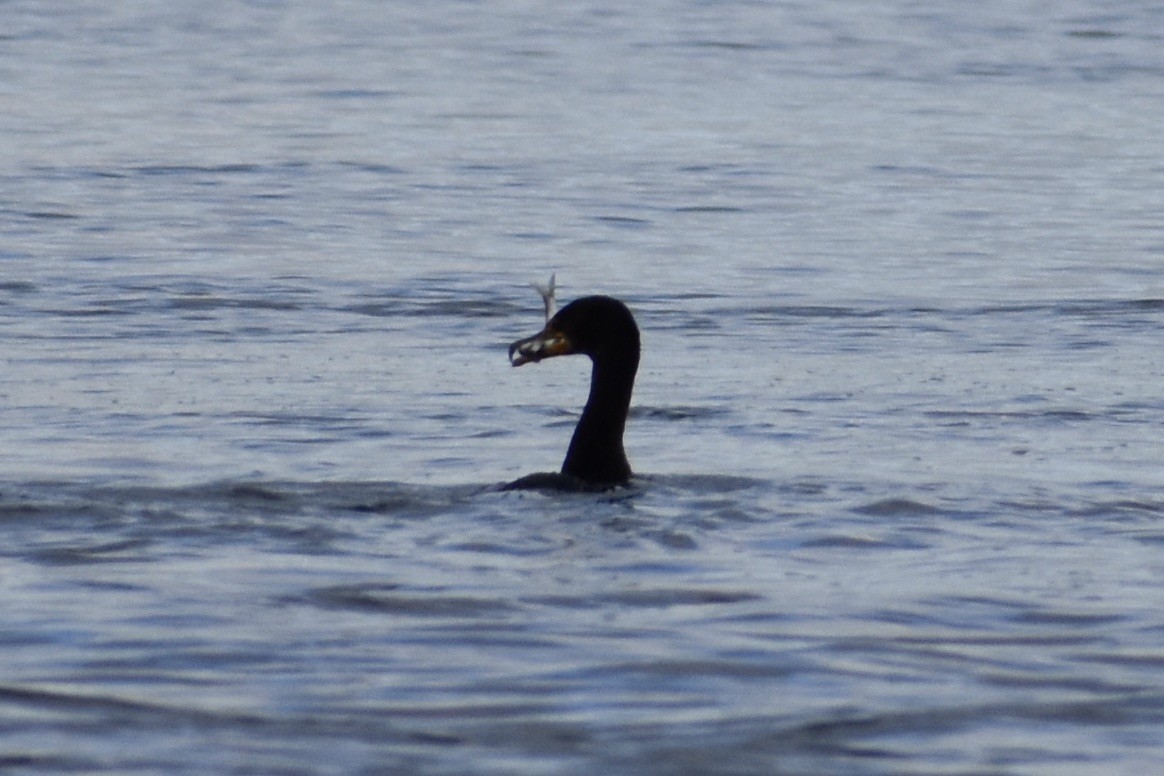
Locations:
(596, 453)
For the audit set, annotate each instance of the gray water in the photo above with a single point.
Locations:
(899, 269)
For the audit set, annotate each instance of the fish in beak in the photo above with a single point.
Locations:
(547, 343)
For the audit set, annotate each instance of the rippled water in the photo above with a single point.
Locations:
(899, 275)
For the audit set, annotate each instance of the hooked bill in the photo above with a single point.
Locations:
(545, 344)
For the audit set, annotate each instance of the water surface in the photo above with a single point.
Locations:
(898, 272)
